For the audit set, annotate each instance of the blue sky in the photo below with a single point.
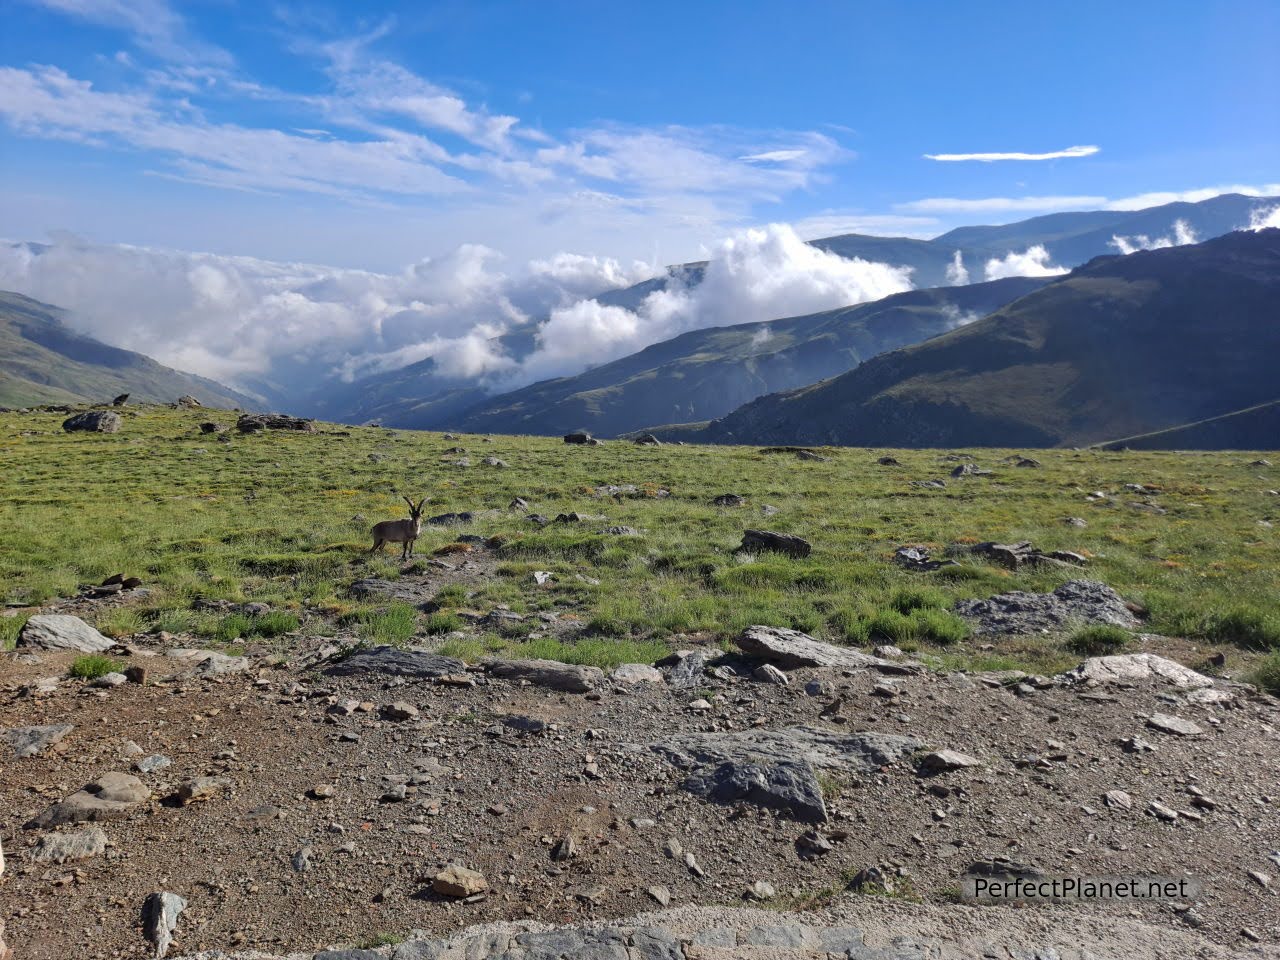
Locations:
(372, 135)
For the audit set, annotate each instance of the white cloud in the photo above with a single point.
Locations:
(1033, 262)
(155, 26)
(1000, 204)
(774, 156)
(756, 275)
(957, 272)
(1180, 235)
(1087, 151)
(1265, 219)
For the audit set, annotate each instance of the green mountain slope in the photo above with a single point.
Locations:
(42, 361)
(707, 373)
(1121, 347)
(421, 396)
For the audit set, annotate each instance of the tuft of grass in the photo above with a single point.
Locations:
(438, 623)
(1099, 640)
(395, 624)
(917, 598)
(10, 627)
(240, 626)
(1266, 673)
(91, 666)
(928, 625)
(121, 622)
(380, 940)
(1245, 626)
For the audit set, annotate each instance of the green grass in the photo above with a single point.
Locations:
(91, 666)
(1099, 641)
(10, 627)
(269, 518)
(1266, 673)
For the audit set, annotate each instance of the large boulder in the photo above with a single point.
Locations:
(94, 421)
(777, 768)
(393, 661)
(1075, 603)
(60, 631)
(257, 422)
(566, 677)
(790, 648)
(1137, 667)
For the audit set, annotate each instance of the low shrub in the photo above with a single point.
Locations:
(91, 666)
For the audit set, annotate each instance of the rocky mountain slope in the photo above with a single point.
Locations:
(419, 396)
(707, 373)
(1123, 346)
(43, 361)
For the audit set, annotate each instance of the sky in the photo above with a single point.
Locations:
(498, 139)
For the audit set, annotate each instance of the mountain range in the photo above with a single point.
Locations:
(1125, 346)
(43, 361)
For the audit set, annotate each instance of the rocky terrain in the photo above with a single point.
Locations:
(337, 797)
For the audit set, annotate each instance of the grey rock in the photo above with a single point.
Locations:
(579, 439)
(791, 648)
(566, 677)
(636, 673)
(208, 663)
(152, 763)
(767, 541)
(729, 500)
(396, 662)
(945, 761)
(1175, 725)
(776, 768)
(1075, 602)
(917, 557)
(69, 845)
(768, 673)
(160, 913)
(29, 741)
(687, 668)
(94, 421)
(109, 797)
(1131, 667)
(58, 631)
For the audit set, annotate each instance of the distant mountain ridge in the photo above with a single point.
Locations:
(420, 396)
(44, 361)
(1125, 346)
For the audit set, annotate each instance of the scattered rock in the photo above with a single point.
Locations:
(945, 761)
(94, 421)
(160, 913)
(761, 891)
(1075, 602)
(647, 440)
(581, 439)
(917, 557)
(1117, 800)
(729, 500)
(69, 845)
(1174, 725)
(1015, 555)
(756, 541)
(208, 663)
(1132, 667)
(394, 661)
(791, 649)
(109, 797)
(59, 631)
(636, 673)
(30, 741)
(566, 677)
(201, 789)
(459, 881)
(768, 673)
(888, 462)
(400, 710)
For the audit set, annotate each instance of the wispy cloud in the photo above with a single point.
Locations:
(1000, 204)
(1158, 198)
(774, 156)
(1086, 151)
(155, 26)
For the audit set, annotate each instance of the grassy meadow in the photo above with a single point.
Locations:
(283, 518)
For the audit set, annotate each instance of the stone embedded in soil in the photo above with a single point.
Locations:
(776, 768)
(69, 845)
(30, 741)
(790, 649)
(1131, 667)
(767, 541)
(58, 631)
(1074, 603)
(160, 913)
(208, 663)
(109, 797)
(396, 662)
(456, 880)
(945, 761)
(565, 677)
(636, 673)
(201, 789)
(1175, 725)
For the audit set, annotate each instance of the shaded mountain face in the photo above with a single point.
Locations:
(707, 373)
(1122, 346)
(422, 396)
(42, 361)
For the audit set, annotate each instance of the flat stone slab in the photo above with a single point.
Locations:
(396, 662)
(566, 677)
(1134, 667)
(1176, 725)
(29, 741)
(69, 845)
(60, 631)
(636, 673)
(208, 663)
(790, 649)
(777, 768)
(109, 797)
(1075, 603)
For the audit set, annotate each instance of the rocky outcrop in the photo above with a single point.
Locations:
(1135, 667)
(257, 422)
(1075, 603)
(396, 662)
(94, 421)
(59, 631)
(790, 649)
(109, 797)
(565, 677)
(29, 741)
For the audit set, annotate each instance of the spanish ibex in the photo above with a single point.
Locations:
(400, 531)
